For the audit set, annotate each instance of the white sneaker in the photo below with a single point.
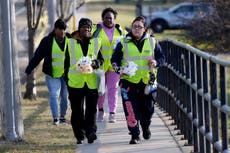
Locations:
(100, 116)
(55, 121)
(112, 118)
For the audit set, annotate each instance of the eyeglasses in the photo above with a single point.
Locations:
(137, 27)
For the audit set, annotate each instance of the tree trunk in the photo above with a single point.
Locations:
(33, 18)
(31, 79)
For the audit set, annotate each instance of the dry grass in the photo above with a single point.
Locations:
(40, 135)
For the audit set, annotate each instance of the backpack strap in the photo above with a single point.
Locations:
(97, 31)
(117, 26)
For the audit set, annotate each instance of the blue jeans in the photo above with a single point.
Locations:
(57, 87)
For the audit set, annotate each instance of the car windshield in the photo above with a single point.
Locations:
(173, 8)
(183, 9)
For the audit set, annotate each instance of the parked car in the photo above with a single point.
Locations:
(177, 16)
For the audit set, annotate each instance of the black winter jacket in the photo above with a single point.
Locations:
(44, 51)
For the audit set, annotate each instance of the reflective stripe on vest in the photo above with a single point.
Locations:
(107, 47)
(76, 79)
(141, 59)
(58, 57)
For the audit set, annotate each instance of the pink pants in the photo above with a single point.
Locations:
(111, 81)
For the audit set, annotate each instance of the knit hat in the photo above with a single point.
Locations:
(84, 21)
(60, 24)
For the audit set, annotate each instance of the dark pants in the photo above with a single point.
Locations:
(84, 108)
(138, 107)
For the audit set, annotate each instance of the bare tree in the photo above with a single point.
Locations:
(34, 12)
(213, 29)
(64, 8)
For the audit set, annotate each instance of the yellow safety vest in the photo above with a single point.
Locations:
(76, 79)
(131, 53)
(58, 57)
(107, 47)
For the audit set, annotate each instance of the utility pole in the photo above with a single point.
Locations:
(51, 7)
(8, 71)
(11, 115)
(74, 15)
(19, 127)
(139, 7)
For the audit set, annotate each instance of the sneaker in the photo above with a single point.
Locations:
(134, 140)
(55, 121)
(112, 118)
(80, 141)
(100, 116)
(62, 121)
(92, 137)
(146, 133)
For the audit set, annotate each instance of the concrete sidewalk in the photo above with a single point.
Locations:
(114, 137)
